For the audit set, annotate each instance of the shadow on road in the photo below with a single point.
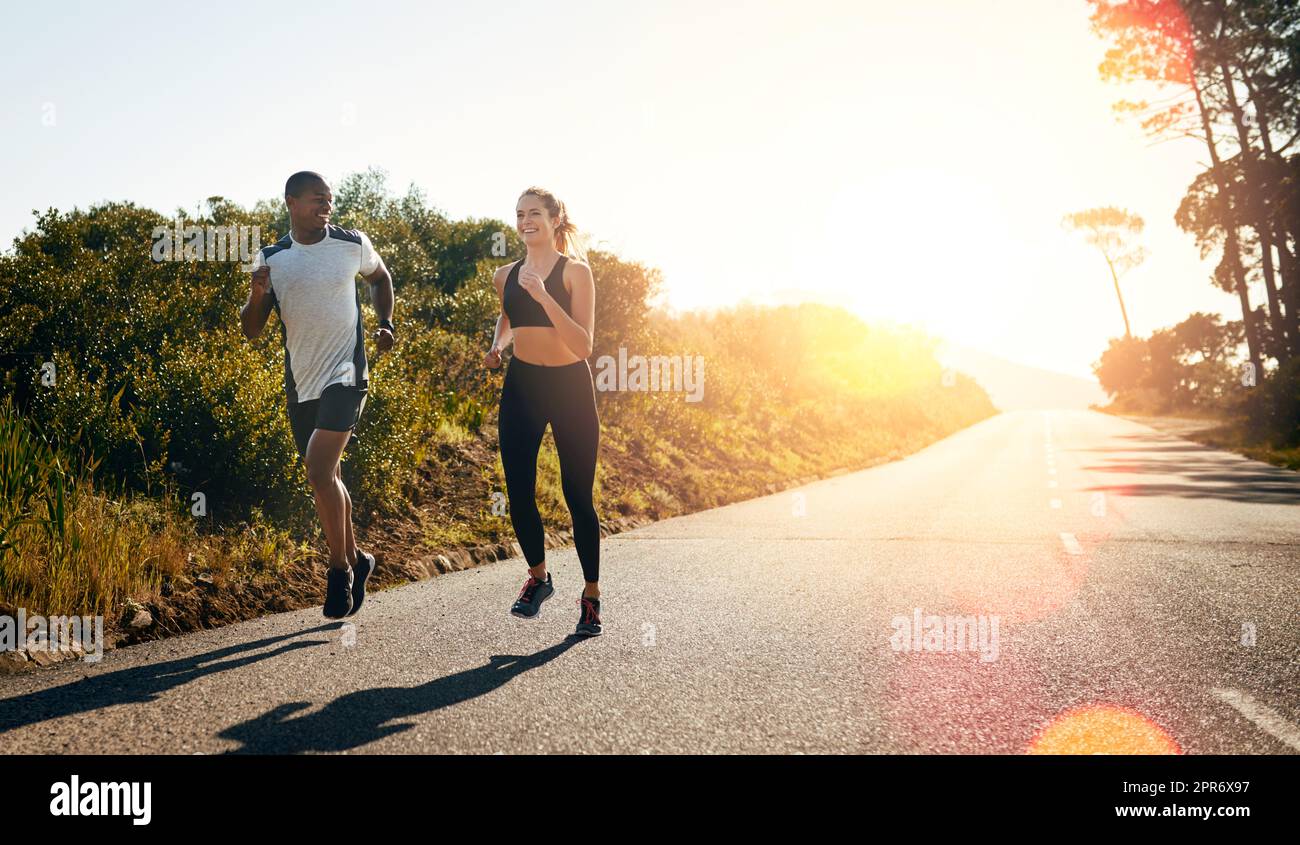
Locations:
(140, 683)
(1206, 473)
(361, 717)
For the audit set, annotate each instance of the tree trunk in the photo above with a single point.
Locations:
(1256, 212)
(1122, 310)
(1231, 248)
(1275, 212)
(1289, 267)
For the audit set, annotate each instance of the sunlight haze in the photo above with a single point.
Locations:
(911, 162)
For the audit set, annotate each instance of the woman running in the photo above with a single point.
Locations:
(548, 308)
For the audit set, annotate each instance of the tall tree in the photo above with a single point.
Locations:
(1155, 41)
(1109, 229)
(1239, 53)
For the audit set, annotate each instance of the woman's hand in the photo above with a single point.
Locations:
(534, 284)
(492, 359)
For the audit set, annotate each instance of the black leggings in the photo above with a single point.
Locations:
(564, 396)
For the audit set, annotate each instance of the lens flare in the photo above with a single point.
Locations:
(1103, 729)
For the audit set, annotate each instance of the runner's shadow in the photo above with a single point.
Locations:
(138, 684)
(362, 717)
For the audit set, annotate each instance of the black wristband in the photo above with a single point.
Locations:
(387, 324)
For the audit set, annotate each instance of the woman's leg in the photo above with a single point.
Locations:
(519, 430)
(576, 428)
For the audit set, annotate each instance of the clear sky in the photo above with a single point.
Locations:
(911, 161)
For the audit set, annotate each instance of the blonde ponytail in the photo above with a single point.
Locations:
(566, 233)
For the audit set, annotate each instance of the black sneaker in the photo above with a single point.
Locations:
(338, 593)
(361, 570)
(529, 603)
(589, 622)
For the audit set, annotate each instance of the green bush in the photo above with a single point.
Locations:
(212, 410)
(1273, 408)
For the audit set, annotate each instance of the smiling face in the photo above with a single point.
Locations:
(533, 221)
(310, 210)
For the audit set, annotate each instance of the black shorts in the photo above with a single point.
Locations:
(338, 409)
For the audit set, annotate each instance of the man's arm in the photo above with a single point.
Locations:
(253, 316)
(381, 296)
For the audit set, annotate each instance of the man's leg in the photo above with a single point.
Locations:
(350, 541)
(323, 453)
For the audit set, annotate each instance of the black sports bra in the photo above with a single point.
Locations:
(522, 309)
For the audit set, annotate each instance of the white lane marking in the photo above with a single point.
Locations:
(1052, 483)
(1056, 503)
(1264, 717)
(1051, 470)
(1071, 544)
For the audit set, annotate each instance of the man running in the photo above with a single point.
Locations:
(309, 278)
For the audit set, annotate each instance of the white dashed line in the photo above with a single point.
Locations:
(1071, 545)
(1261, 715)
(1056, 503)
(1052, 483)
(1051, 470)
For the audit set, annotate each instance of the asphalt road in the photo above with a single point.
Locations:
(1146, 592)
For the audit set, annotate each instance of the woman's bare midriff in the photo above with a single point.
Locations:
(542, 345)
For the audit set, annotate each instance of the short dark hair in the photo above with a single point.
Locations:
(300, 181)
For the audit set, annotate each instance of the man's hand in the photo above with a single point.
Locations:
(492, 359)
(383, 339)
(534, 284)
(252, 317)
(261, 283)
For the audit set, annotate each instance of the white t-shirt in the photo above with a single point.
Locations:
(314, 291)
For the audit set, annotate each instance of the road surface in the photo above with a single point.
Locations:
(1145, 591)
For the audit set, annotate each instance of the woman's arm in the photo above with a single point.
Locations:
(577, 332)
(503, 334)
